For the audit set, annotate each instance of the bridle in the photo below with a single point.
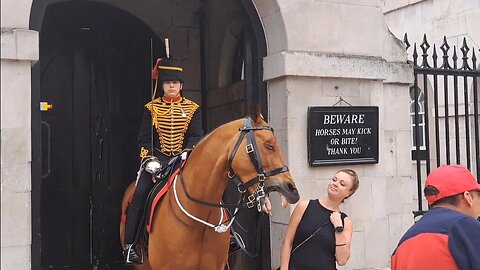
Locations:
(257, 198)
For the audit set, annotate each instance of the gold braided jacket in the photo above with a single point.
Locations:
(171, 121)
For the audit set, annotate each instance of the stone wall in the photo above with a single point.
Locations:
(19, 50)
(343, 49)
(456, 21)
(451, 18)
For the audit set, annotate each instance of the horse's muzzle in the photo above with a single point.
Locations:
(286, 188)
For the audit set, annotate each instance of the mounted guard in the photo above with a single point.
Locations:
(171, 124)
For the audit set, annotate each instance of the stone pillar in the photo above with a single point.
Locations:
(320, 51)
(19, 50)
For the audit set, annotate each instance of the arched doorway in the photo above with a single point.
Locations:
(93, 74)
(94, 68)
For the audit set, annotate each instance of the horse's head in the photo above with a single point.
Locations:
(257, 162)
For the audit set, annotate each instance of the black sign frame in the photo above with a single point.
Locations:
(342, 135)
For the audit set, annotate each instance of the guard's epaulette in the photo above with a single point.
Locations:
(188, 101)
(157, 100)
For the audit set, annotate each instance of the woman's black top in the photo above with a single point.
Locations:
(318, 253)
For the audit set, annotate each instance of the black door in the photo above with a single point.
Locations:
(97, 79)
(65, 196)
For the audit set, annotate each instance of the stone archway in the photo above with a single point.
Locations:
(183, 31)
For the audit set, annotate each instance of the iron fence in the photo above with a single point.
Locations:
(444, 109)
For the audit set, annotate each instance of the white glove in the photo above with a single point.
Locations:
(153, 167)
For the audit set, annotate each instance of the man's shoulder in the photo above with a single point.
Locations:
(448, 216)
(189, 102)
(465, 222)
(435, 221)
(189, 105)
(153, 101)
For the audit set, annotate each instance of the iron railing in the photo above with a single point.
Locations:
(456, 135)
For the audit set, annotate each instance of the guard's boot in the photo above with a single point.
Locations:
(131, 252)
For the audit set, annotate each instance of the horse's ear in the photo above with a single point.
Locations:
(256, 113)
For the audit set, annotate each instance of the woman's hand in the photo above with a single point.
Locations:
(336, 219)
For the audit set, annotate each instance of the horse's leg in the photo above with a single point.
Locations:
(175, 245)
(172, 245)
(217, 244)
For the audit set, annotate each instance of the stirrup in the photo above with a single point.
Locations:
(132, 256)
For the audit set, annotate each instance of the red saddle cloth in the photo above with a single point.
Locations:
(157, 195)
(154, 197)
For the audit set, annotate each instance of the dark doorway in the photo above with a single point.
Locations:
(233, 69)
(94, 70)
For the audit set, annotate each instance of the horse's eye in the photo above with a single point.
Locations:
(269, 146)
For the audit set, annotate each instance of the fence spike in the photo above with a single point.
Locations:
(445, 47)
(415, 54)
(425, 46)
(465, 49)
(454, 57)
(405, 40)
(474, 59)
(434, 56)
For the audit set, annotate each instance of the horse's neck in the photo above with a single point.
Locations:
(206, 171)
(205, 179)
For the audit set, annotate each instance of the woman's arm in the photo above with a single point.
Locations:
(290, 234)
(342, 242)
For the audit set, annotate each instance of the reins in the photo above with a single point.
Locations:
(220, 228)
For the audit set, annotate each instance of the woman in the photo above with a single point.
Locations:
(318, 235)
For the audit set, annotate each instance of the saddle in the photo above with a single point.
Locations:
(164, 182)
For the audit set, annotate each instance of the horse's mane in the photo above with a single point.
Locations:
(255, 114)
(206, 137)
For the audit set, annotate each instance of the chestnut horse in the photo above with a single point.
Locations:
(188, 231)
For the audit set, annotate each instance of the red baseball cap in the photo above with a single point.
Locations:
(450, 180)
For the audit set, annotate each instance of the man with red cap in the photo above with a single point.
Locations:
(447, 237)
(171, 124)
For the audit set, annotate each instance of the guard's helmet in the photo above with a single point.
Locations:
(167, 69)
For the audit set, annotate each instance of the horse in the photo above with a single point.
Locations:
(183, 234)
